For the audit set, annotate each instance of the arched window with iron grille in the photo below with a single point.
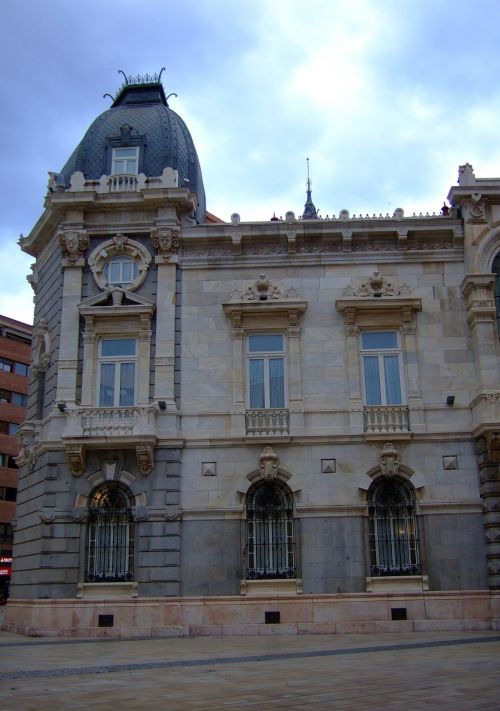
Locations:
(110, 535)
(394, 546)
(270, 531)
(495, 268)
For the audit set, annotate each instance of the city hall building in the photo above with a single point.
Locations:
(253, 427)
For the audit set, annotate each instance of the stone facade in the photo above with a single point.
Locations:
(219, 430)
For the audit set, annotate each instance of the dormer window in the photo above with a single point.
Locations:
(125, 161)
(120, 271)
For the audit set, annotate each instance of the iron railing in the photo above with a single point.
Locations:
(270, 546)
(394, 544)
(110, 545)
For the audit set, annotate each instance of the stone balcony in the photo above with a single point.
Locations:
(386, 420)
(265, 422)
(110, 428)
(122, 183)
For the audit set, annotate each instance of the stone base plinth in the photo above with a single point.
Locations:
(221, 616)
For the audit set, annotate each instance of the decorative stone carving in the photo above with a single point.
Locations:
(450, 462)
(78, 514)
(262, 290)
(141, 513)
(166, 240)
(119, 245)
(32, 278)
(41, 347)
(47, 516)
(268, 463)
(389, 460)
(209, 468)
(73, 243)
(351, 330)
(328, 466)
(145, 458)
(76, 458)
(27, 449)
(466, 174)
(377, 285)
(173, 513)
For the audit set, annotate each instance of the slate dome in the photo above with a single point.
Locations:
(140, 116)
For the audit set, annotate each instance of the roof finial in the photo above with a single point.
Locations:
(310, 212)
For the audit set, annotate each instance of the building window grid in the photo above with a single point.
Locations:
(110, 536)
(382, 368)
(120, 271)
(125, 161)
(394, 544)
(270, 532)
(266, 379)
(14, 398)
(117, 372)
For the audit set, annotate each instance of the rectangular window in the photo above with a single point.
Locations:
(6, 460)
(8, 493)
(6, 533)
(266, 371)
(381, 357)
(6, 365)
(117, 372)
(13, 428)
(19, 399)
(21, 369)
(125, 161)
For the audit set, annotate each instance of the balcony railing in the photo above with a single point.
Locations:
(267, 422)
(110, 422)
(122, 183)
(386, 419)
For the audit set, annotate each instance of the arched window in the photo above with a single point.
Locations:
(270, 535)
(495, 268)
(393, 529)
(110, 540)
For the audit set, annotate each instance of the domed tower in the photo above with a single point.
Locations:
(104, 403)
(139, 135)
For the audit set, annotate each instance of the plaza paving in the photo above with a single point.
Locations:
(384, 671)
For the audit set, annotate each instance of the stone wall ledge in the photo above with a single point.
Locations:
(234, 615)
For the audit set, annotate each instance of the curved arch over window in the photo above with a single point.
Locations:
(270, 531)
(495, 268)
(110, 535)
(393, 529)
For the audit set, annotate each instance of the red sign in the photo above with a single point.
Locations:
(5, 571)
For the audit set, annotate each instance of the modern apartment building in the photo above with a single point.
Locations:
(15, 355)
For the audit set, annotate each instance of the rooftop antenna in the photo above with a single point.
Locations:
(310, 212)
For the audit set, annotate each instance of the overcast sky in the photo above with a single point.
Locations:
(386, 97)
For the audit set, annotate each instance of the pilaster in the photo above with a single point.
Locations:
(73, 243)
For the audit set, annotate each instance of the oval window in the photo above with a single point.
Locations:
(120, 271)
